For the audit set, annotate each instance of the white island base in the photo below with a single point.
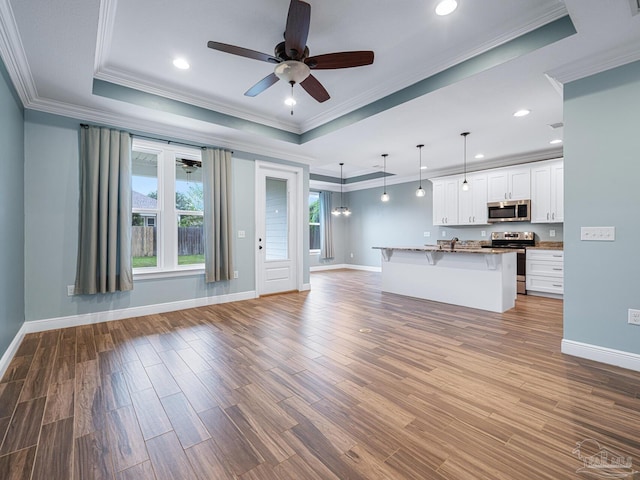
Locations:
(470, 278)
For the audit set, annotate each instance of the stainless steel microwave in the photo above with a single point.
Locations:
(509, 211)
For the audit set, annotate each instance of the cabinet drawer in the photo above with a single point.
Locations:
(545, 284)
(547, 255)
(549, 269)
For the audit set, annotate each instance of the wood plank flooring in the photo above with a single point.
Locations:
(287, 387)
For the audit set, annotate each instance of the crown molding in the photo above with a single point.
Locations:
(14, 56)
(132, 123)
(121, 78)
(596, 63)
(408, 78)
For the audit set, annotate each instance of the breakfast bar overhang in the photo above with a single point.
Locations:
(483, 278)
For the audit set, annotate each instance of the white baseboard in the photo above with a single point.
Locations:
(11, 350)
(602, 354)
(305, 287)
(340, 266)
(97, 317)
(364, 268)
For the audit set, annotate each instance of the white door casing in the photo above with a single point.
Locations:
(279, 228)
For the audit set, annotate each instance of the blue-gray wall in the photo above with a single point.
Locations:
(602, 171)
(51, 204)
(11, 211)
(403, 220)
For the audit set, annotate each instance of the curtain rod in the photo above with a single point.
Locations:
(169, 142)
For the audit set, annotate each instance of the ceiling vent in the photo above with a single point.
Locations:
(555, 126)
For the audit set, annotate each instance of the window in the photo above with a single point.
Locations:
(314, 222)
(167, 206)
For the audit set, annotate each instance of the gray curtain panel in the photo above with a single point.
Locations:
(326, 227)
(104, 237)
(218, 233)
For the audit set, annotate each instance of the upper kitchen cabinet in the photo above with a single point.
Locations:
(512, 183)
(547, 192)
(445, 200)
(473, 202)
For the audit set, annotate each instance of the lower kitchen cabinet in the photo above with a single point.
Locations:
(545, 272)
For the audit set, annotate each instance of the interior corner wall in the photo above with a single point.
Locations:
(602, 170)
(11, 212)
(51, 231)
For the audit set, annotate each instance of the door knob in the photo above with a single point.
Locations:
(260, 247)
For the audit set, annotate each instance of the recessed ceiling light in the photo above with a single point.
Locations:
(480, 155)
(424, 167)
(181, 63)
(555, 141)
(445, 7)
(522, 113)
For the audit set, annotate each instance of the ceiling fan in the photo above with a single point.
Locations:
(292, 59)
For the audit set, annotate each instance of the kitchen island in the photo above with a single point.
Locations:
(483, 278)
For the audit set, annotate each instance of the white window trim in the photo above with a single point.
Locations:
(167, 214)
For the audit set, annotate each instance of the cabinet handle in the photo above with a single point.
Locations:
(474, 219)
(469, 219)
(556, 285)
(557, 256)
(547, 215)
(505, 195)
(558, 269)
(553, 216)
(509, 194)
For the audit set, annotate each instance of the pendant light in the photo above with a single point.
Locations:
(385, 195)
(465, 184)
(341, 210)
(420, 192)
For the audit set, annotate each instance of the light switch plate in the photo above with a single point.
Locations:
(241, 234)
(599, 234)
(70, 290)
(427, 234)
(634, 316)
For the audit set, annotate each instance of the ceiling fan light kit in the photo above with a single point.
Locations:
(294, 64)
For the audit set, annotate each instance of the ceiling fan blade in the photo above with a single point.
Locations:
(340, 60)
(242, 52)
(262, 85)
(297, 30)
(315, 89)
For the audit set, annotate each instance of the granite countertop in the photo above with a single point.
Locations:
(547, 246)
(457, 249)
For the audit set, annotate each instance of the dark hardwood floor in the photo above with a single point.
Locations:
(289, 387)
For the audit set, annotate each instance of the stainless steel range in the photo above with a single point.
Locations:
(518, 241)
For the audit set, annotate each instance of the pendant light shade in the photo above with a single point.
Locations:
(385, 196)
(420, 191)
(465, 184)
(341, 210)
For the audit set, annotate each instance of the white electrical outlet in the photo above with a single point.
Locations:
(235, 274)
(444, 234)
(634, 316)
(552, 233)
(600, 234)
(241, 234)
(351, 255)
(427, 234)
(70, 290)
(483, 233)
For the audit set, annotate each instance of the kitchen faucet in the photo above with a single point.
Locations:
(453, 242)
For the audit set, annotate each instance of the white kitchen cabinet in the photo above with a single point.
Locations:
(445, 201)
(511, 183)
(545, 272)
(473, 202)
(547, 192)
